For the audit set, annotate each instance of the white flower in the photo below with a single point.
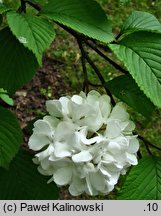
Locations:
(84, 143)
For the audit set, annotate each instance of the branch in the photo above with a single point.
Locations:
(148, 143)
(81, 39)
(85, 40)
(115, 65)
(22, 8)
(147, 148)
(89, 60)
(139, 154)
(92, 64)
(93, 84)
(86, 82)
(118, 36)
(35, 6)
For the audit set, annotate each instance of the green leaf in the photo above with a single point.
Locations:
(141, 54)
(139, 20)
(125, 88)
(144, 181)
(3, 8)
(40, 2)
(23, 182)
(83, 16)
(10, 137)
(17, 64)
(33, 32)
(5, 97)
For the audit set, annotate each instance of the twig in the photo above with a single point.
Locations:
(22, 8)
(118, 67)
(86, 82)
(148, 143)
(93, 84)
(36, 6)
(139, 154)
(147, 148)
(118, 36)
(154, 146)
(89, 60)
(86, 40)
(99, 45)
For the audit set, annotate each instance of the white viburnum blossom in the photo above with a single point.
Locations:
(84, 143)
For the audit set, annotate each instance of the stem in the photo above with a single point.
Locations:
(148, 143)
(86, 82)
(80, 38)
(147, 148)
(115, 65)
(22, 8)
(36, 6)
(89, 60)
(139, 154)
(85, 40)
(93, 84)
(92, 64)
(118, 36)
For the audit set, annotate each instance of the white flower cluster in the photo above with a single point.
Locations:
(84, 143)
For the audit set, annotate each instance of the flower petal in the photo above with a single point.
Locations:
(65, 103)
(93, 120)
(97, 181)
(130, 127)
(83, 156)
(131, 158)
(43, 127)
(105, 106)
(54, 108)
(92, 97)
(63, 176)
(38, 141)
(112, 130)
(42, 135)
(82, 135)
(77, 99)
(64, 130)
(119, 112)
(77, 187)
(90, 189)
(52, 121)
(62, 149)
(44, 154)
(118, 145)
(133, 145)
(78, 111)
